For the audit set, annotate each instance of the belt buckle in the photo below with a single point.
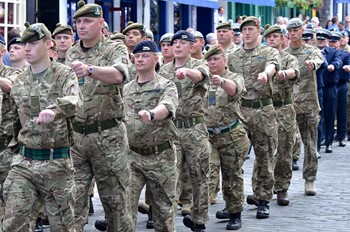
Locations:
(217, 131)
(182, 123)
(83, 129)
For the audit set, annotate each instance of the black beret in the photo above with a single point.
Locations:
(145, 46)
(15, 40)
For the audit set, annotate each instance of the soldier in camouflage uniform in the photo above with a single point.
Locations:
(17, 53)
(166, 49)
(225, 37)
(305, 99)
(228, 138)
(282, 101)
(190, 76)
(101, 146)
(258, 64)
(196, 50)
(150, 104)
(44, 99)
(63, 35)
(7, 76)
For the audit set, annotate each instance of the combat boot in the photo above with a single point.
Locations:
(295, 165)
(149, 224)
(235, 221)
(187, 221)
(143, 208)
(263, 210)
(101, 225)
(198, 228)
(39, 225)
(222, 214)
(310, 188)
(252, 200)
(282, 198)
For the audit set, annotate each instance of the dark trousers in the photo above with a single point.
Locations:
(342, 111)
(330, 95)
(321, 123)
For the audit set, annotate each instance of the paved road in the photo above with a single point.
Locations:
(329, 210)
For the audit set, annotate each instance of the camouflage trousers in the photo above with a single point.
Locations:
(194, 148)
(308, 123)
(214, 181)
(104, 156)
(158, 172)
(31, 183)
(286, 139)
(5, 166)
(296, 150)
(262, 129)
(184, 185)
(232, 148)
(348, 121)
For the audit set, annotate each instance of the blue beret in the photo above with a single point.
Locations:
(183, 35)
(145, 46)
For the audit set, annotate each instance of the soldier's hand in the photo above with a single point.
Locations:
(181, 73)
(262, 78)
(330, 67)
(346, 68)
(45, 117)
(309, 65)
(80, 69)
(281, 75)
(216, 80)
(144, 116)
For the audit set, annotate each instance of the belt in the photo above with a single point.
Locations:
(151, 150)
(93, 128)
(44, 154)
(255, 104)
(188, 122)
(282, 102)
(224, 129)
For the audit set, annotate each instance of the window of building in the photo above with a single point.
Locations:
(12, 15)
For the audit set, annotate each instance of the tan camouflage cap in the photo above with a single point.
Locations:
(132, 25)
(117, 35)
(224, 25)
(62, 29)
(272, 29)
(88, 10)
(34, 32)
(214, 50)
(250, 21)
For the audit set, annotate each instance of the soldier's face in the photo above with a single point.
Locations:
(217, 64)
(145, 61)
(274, 40)
(181, 48)
(89, 28)
(167, 49)
(224, 36)
(237, 39)
(308, 41)
(321, 43)
(132, 38)
(64, 42)
(17, 52)
(250, 34)
(197, 46)
(295, 34)
(37, 51)
(334, 44)
(344, 41)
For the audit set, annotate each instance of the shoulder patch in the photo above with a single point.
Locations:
(124, 61)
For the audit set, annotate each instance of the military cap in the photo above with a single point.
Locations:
(224, 25)
(294, 23)
(183, 35)
(250, 21)
(235, 28)
(14, 40)
(308, 34)
(166, 38)
(198, 34)
(273, 29)
(34, 32)
(62, 29)
(149, 33)
(132, 25)
(214, 50)
(117, 35)
(2, 40)
(335, 36)
(323, 34)
(344, 33)
(311, 26)
(88, 10)
(145, 46)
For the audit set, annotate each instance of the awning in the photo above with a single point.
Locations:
(202, 3)
(260, 3)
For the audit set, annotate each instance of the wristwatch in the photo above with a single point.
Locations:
(90, 69)
(151, 114)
